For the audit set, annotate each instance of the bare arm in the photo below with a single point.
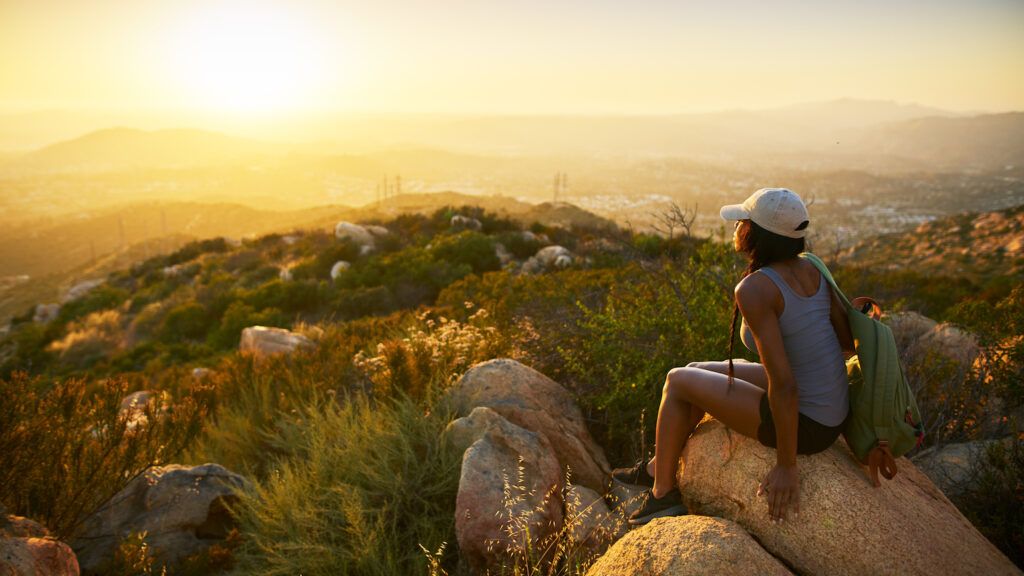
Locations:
(754, 296)
(761, 303)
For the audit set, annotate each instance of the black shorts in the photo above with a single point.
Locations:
(811, 436)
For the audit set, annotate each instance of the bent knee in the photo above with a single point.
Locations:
(679, 381)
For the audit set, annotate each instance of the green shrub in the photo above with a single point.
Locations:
(188, 321)
(412, 275)
(365, 483)
(348, 304)
(665, 319)
(467, 247)
(319, 266)
(239, 316)
(102, 297)
(518, 244)
(287, 296)
(996, 507)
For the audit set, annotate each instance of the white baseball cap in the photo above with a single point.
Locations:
(777, 210)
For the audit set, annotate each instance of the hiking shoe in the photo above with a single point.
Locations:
(636, 475)
(670, 504)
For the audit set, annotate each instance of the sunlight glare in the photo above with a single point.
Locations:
(249, 57)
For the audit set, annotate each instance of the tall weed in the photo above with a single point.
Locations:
(66, 449)
(365, 483)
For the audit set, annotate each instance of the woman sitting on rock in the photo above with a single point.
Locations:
(795, 400)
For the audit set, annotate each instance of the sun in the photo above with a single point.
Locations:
(248, 57)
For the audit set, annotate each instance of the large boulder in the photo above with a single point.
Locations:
(845, 526)
(537, 403)
(183, 510)
(26, 549)
(687, 545)
(955, 468)
(918, 336)
(263, 341)
(508, 489)
(908, 327)
(591, 524)
(547, 258)
(81, 289)
(358, 234)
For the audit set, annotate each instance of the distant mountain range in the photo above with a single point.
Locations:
(845, 133)
(127, 148)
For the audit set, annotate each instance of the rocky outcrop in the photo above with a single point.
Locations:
(508, 488)
(183, 510)
(81, 289)
(26, 549)
(363, 236)
(954, 468)
(687, 545)
(354, 232)
(263, 341)
(460, 222)
(842, 517)
(548, 258)
(533, 401)
(45, 313)
(591, 524)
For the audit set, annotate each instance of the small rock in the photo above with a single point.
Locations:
(339, 267)
(46, 313)
(264, 341)
(465, 223)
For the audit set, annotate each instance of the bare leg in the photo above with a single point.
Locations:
(687, 393)
(742, 369)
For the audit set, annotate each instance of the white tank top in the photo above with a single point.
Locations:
(812, 347)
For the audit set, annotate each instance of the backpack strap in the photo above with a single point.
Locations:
(828, 276)
(882, 413)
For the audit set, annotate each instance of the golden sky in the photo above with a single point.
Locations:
(526, 56)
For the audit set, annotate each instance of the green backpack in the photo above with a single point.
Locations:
(884, 421)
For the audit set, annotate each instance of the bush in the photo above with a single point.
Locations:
(412, 275)
(64, 450)
(996, 507)
(666, 319)
(287, 296)
(365, 483)
(188, 321)
(470, 248)
(96, 337)
(319, 267)
(102, 297)
(239, 316)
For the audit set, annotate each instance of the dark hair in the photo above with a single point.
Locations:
(762, 248)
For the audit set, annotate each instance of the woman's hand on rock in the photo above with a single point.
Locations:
(782, 489)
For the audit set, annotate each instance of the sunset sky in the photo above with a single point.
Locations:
(486, 56)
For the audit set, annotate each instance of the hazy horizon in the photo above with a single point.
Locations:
(262, 59)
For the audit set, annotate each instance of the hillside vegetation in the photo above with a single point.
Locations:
(360, 411)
